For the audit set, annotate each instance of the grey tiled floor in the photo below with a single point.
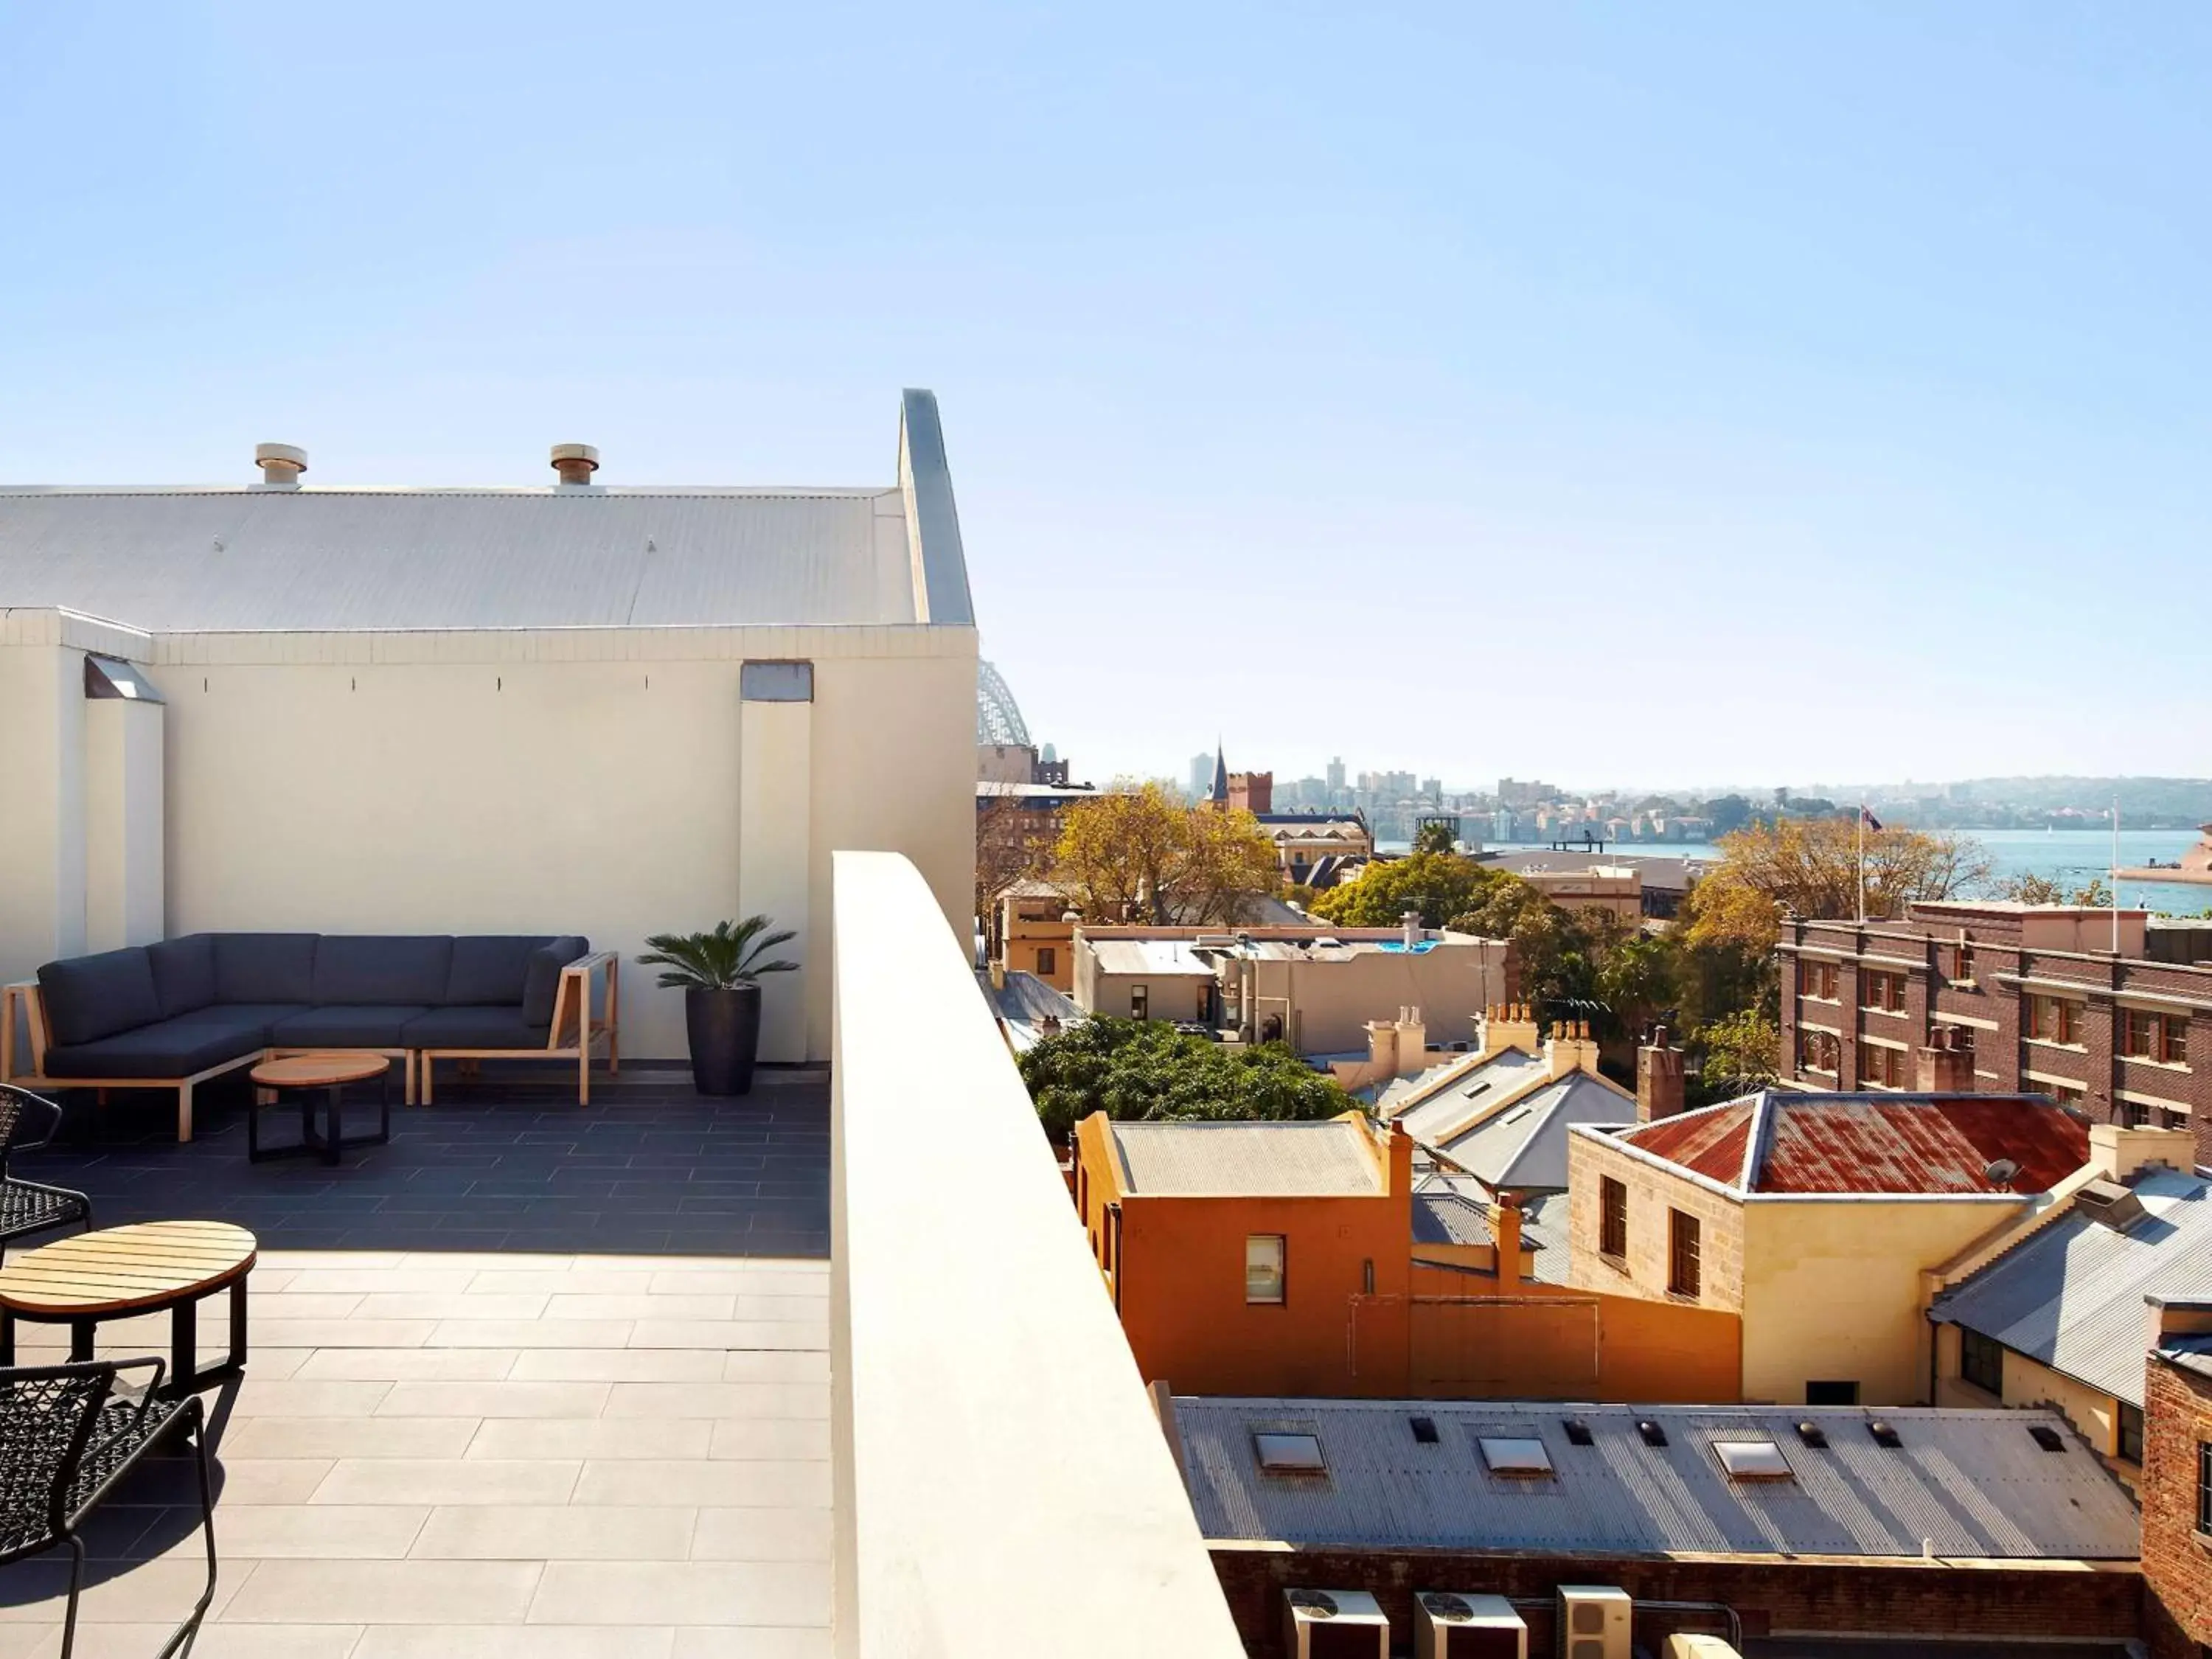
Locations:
(509, 1161)
(615, 1448)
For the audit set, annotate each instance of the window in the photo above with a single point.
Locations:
(2162, 1037)
(776, 682)
(1753, 1460)
(1879, 1068)
(1816, 978)
(1525, 1459)
(2170, 1119)
(1140, 1002)
(2204, 1487)
(2130, 1432)
(1047, 963)
(1685, 1267)
(1832, 1393)
(1820, 1051)
(1881, 989)
(1958, 962)
(1981, 1361)
(1612, 1217)
(1290, 1454)
(1263, 1268)
(2054, 1019)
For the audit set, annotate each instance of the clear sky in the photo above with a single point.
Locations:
(1607, 393)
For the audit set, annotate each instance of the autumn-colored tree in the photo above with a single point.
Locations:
(1139, 856)
(2041, 890)
(1743, 1052)
(1810, 867)
(1012, 843)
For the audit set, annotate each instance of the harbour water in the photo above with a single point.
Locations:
(2072, 858)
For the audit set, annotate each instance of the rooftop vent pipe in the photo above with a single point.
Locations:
(575, 463)
(280, 465)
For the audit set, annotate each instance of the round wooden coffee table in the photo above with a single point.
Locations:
(119, 1272)
(302, 1074)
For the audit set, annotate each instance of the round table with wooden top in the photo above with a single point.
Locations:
(120, 1272)
(331, 1072)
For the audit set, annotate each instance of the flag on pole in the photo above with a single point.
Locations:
(1869, 820)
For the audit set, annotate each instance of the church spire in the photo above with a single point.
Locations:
(1219, 793)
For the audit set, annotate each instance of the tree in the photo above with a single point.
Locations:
(1147, 1071)
(1141, 856)
(1435, 838)
(2041, 890)
(1810, 866)
(1743, 1052)
(1439, 886)
(1012, 844)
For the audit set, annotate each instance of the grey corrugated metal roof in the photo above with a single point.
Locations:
(1166, 958)
(1466, 1092)
(1450, 1210)
(2071, 1295)
(1971, 1484)
(1525, 1144)
(250, 560)
(1329, 1159)
(1544, 1220)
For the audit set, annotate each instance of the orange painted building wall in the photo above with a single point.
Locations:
(1176, 1269)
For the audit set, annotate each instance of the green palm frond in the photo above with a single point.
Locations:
(730, 956)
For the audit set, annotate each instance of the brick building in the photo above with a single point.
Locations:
(2034, 996)
(2176, 1487)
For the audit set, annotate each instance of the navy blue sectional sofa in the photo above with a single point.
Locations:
(174, 1014)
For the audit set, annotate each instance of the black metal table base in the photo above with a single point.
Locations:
(332, 1140)
(186, 1375)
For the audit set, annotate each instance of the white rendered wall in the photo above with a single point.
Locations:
(775, 839)
(42, 848)
(581, 781)
(124, 850)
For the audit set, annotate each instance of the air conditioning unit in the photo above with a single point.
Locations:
(1448, 1626)
(1595, 1621)
(1333, 1624)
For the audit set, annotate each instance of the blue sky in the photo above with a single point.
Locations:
(1611, 393)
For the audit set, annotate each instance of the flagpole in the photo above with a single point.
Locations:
(1862, 830)
(2116, 875)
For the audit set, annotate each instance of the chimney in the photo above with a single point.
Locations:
(280, 465)
(575, 463)
(1509, 1026)
(1571, 1049)
(1410, 922)
(2118, 1150)
(1505, 1229)
(1658, 1078)
(1382, 1048)
(1412, 1041)
(2176, 1316)
(1942, 1068)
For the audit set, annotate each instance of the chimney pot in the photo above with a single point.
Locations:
(1660, 1090)
(280, 465)
(575, 463)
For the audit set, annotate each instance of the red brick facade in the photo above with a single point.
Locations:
(1983, 999)
(2046, 1601)
(2177, 1558)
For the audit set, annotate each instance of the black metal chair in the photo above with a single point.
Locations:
(67, 1437)
(27, 1122)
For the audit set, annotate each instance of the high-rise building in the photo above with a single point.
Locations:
(1201, 776)
(1336, 773)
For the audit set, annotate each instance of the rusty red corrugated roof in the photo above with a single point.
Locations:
(1876, 1144)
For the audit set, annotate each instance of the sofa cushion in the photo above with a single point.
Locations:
(265, 966)
(183, 972)
(501, 1027)
(167, 1047)
(88, 997)
(345, 1025)
(490, 968)
(542, 985)
(382, 968)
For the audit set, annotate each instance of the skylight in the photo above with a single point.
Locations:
(1290, 1454)
(1526, 1459)
(1753, 1460)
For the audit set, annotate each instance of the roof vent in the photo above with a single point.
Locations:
(575, 463)
(1424, 1431)
(2046, 1437)
(1884, 1434)
(1653, 1434)
(280, 465)
(2111, 1203)
(1813, 1435)
(1578, 1431)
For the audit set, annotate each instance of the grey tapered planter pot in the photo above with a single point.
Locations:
(724, 1029)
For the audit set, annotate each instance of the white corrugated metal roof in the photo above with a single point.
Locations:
(249, 560)
(1329, 1159)
(1524, 1145)
(1472, 1083)
(2071, 1295)
(1971, 1484)
(1160, 956)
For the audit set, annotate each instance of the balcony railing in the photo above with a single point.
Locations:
(1001, 1484)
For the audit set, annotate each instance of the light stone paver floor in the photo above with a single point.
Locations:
(440, 1454)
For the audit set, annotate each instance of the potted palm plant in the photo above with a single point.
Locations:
(719, 974)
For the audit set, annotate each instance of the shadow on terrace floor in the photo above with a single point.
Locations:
(506, 1162)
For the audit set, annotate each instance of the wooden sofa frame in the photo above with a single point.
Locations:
(573, 1036)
